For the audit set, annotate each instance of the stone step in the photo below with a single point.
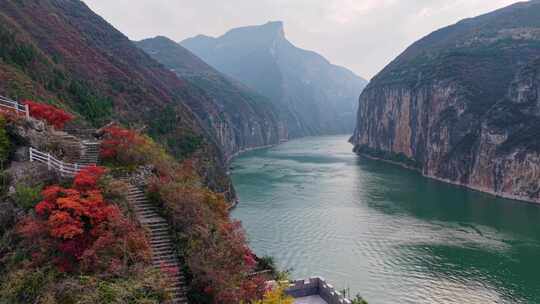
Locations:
(161, 242)
(160, 229)
(145, 210)
(136, 194)
(163, 249)
(171, 262)
(143, 203)
(157, 221)
(157, 243)
(146, 213)
(166, 263)
(157, 246)
(159, 236)
(164, 256)
(149, 216)
(156, 225)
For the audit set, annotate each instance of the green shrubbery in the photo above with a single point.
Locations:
(185, 146)
(358, 300)
(97, 109)
(47, 285)
(12, 52)
(27, 197)
(5, 143)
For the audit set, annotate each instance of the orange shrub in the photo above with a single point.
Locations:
(80, 230)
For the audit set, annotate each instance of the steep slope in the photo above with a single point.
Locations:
(240, 118)
(315, 97)
(460, 104)
(62, 52)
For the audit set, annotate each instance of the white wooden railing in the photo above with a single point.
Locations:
(65, 169)
(15, 106)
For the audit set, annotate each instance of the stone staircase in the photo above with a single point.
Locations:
(90, 153)
(164, 255)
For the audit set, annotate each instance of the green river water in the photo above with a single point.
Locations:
(384, 231)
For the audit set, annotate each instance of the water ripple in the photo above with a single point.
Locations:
(385, 232)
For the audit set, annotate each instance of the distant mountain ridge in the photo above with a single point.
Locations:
(240, 118)
(461, 104)
(314, 97)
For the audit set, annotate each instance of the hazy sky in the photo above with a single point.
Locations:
(363, 35)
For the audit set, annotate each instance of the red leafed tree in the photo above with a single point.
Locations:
(79, 229)
(51, 114)
(117, 140)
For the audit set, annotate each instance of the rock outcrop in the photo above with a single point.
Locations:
(314, 96)
(239, 118)
(461, 105)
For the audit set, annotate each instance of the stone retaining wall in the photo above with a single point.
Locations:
(316, 286)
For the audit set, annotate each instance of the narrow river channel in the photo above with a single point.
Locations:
(384, 231)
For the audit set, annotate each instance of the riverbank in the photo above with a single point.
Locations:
(515, 198)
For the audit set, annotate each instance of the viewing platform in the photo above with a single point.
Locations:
(315, 291)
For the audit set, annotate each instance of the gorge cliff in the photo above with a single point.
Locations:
(240, 118)
(314, 97)
(462, 105)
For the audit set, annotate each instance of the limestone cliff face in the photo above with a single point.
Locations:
(462, 105)
(508, 157)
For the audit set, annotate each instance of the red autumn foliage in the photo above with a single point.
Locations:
(51, 114)
(80, 230)
(89, 179)
(118, 139)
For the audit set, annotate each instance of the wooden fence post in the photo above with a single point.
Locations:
(49, 161)
(31, 155)
(27, 110)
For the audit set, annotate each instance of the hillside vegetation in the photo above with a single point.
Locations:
(60, 52)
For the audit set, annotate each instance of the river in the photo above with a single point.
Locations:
(383, 231)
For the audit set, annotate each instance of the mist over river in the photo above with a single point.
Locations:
(384, 231)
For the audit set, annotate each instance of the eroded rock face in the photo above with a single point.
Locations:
(29, 174)
(462, 105)
(508, 161)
